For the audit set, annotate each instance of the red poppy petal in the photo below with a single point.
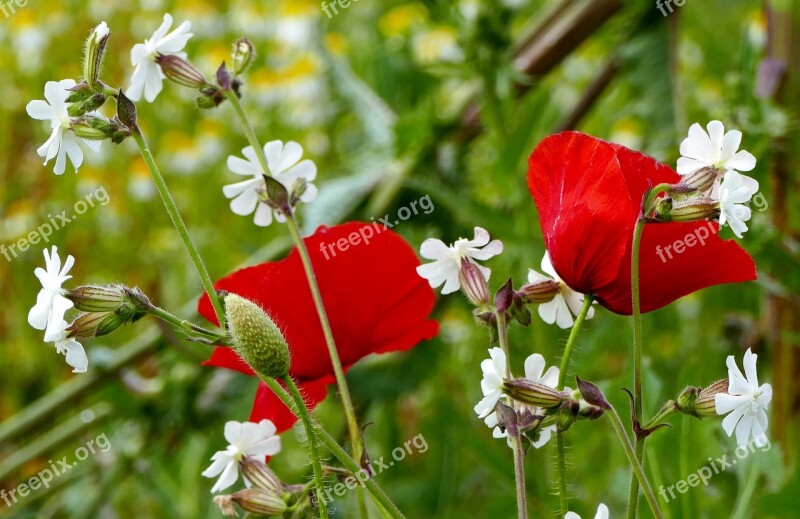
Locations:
(224, 357)
(268, 406)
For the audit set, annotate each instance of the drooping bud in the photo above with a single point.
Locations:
(589, 411)
(256, 338)
(473, 284)
(507, 418)
(89, 104)
(695, 209)
(701, 180)
(224, 77)
(592, 394)
(504, 297)
(95, 51)
(181, 71)
(260, 475)
(276, 195)
(566, 415)
(532, 393)
(126, 111)
(243, 55)
(539, 292)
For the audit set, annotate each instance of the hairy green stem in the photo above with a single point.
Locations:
(633, 494)
(185, 325)
(180, 226)
(313, 452)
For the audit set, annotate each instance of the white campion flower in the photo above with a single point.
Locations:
(148, 77)
(70, 348)
(746, 402)
(494, 373)
(715, 148)
(256, 440)
(602, 513)
(447, 260)
(565, 304)
(63, 143)
(734, 194)
(51, 305)
(285, 166)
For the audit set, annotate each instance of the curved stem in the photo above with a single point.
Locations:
(180, 226)
(313, 453)
(341, 383)
(177, 322)
(633, 494)
(562, 376)
(349, 463)
(634, 461)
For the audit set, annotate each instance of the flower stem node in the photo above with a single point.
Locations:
(256, 338)
(95, 51)
(243, 55)
(533, 393)
(180, 71)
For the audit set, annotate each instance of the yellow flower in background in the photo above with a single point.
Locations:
(402, 19)
(439, 44)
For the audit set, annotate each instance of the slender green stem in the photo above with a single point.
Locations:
(347, 402)
(667, 410)
(349, 463)
(562, 377)
(516, 440)
(180, 226)
(313, 453)
(633, 494)
(183, 324)
(638, 471)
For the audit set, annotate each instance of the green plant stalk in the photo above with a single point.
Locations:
(516, 440)
(341, 383)
(313, 453)
(562, 377)
(638, 471)
(633, 494)
(667, 410)
(180, 226)
(183, 324)
(349, 463)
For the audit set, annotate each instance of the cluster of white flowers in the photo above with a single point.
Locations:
(51, 306)
(602, 513)
(494, 370)
(720, 150)
(257, 440)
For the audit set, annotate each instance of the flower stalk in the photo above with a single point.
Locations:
(638, 230)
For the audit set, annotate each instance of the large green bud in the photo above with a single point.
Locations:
(256, 338)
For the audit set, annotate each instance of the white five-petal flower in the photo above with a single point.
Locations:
(494, 373)
(566, 303)
(256, 440)
(715, 148)
(285, 166)
(447, 260)
(63, 142)
(734, 193)
(746, 402)
(602, 513)
(51, 305)
(70, 348)
(148, 77)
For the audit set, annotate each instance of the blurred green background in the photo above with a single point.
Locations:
(385, 98)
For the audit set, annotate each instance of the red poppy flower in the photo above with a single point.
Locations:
(589, 194)
(375, 301)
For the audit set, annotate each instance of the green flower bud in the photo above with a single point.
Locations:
(701, 402)
(243, 55)
(532, 393)
(105, 308)
(95, 50)
(539, 292)
(253, 500)
(181, 71)
(260, 475)
(702, 180)
(695, 209)
(256, 338)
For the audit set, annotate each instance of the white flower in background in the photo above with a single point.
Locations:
(70, 348)
(148, 77)
(62, 142)
(285, 166)
(734, 194)
(602, 513)
(447, 260)
(51, 305)
(746, 402)
(566, 303)
(715, 148)
(256, 440)
(494, 373)
(439, 44)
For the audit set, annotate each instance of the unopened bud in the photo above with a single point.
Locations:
(695, 209)
(701, 180)
(94, 324)
(566, 415)
(96, 128)
(589, 411)
(95, 50)
(539, 292)
(473, 284)
(93, 298)
(180, 71)
(89, 104)
(243, 55)
(256, 338)
(592, 394)
(106, 309)
(532, 393)
(260, 475)
(260, 501)
(700, 402)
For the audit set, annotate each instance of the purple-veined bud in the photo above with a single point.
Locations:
(180, 71)
(533, 393)
(701, 180)
(694, 209)
(253, 500)
(473, 284)
(592, 394)
(260, 475)
(539, 292)
(698, 402)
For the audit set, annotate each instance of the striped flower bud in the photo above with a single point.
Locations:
(532, 393)
(473, 284)
(701, 180)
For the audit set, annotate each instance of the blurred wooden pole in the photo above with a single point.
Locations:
(780, 80)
